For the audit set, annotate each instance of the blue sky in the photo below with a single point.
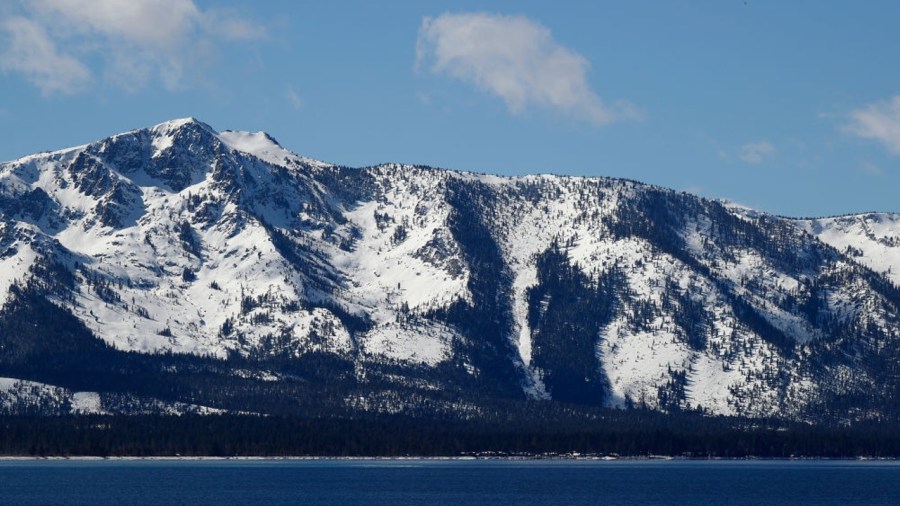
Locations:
(790, 107)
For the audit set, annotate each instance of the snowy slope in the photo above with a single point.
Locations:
(640, 357)
(872, 239)
(22, 397)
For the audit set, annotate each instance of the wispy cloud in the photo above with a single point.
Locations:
(517, 60)
(871, 169)
(879, 121)
(51, 42)
(293, 98)
(756, 152)
(31, 52)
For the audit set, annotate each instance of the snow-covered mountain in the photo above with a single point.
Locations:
(409, 288)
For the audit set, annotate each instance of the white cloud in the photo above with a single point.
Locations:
(136, 40)
(30, 52)
(871, 169)
(756, 152)
(161, 24)
(515, 59)
(293, 98)
(879, 121)
(228, 24)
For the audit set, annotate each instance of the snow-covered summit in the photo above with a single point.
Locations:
(873, 239)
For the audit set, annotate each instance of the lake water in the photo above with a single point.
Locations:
(436, 482)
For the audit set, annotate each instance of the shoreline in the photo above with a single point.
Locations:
(458, 458)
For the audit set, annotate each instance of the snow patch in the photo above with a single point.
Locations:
(86, 402)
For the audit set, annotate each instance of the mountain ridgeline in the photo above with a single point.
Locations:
(177, 269)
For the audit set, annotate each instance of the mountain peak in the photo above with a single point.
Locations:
(177, 123)
(259, 144)
(172, 128)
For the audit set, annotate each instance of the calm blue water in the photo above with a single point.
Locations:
(437, 483)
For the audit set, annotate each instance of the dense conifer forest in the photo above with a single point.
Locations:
(634, 433)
